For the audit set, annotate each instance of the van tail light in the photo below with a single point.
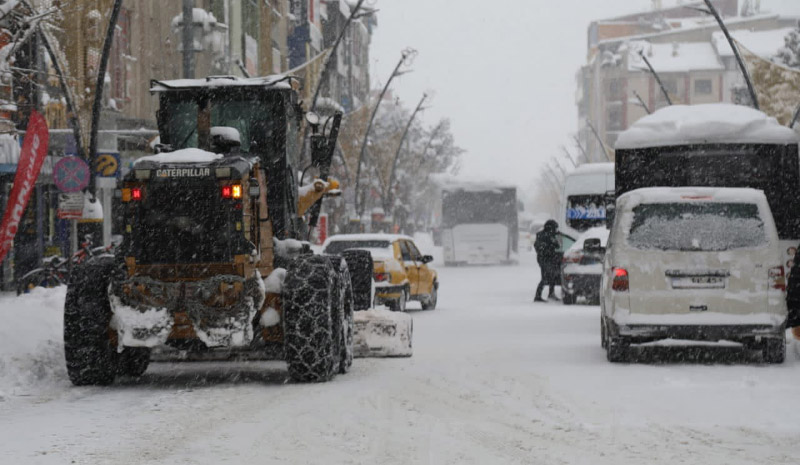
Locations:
(136, 194)
(777, 278)
(381, 277)
(620, 282)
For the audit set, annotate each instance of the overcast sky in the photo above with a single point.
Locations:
(503, 71)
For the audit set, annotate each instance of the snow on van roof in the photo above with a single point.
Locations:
(593, 168)
(276, 81)
(705, 124)
(691, 194)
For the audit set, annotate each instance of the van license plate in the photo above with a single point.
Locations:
(698, 282)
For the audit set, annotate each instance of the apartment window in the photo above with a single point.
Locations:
(614, 118)
(614, 90)
(702, 87)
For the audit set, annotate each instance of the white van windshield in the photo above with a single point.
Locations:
(696, 226)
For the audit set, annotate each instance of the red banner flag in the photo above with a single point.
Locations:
(31, 159)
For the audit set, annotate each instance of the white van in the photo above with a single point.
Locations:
(583, 201)
(692, 263)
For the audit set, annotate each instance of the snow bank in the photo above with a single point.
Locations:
(705, 124)
(190, 155)
(31, 342)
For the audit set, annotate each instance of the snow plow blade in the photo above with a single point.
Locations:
(382, 333)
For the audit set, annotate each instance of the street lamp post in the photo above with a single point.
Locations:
(389, 196)
(328, 65)
(406, 56)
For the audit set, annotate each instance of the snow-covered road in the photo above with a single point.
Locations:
(494, 379)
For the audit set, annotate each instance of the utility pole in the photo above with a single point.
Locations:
(641, 102)
(655, 75)
(569, 157)
(580, 147)
(747, 79)
(389, 189)
(98, 95)
(329, 60)
(405, 57)
(599, 140)
(188, 39)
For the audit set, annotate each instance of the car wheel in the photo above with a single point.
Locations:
(430, 302)
(398, 304)
(568, 298)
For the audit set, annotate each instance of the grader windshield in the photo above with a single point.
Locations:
(256, 116)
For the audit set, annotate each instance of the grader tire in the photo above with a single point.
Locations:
(309, 337)
(360, 265)
(90, 357)
(342, 315)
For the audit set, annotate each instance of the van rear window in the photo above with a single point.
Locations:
(696, 226)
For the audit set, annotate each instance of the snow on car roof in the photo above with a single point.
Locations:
(705, 124)
(593, 168)
(277, 81)
(366, 237)
(692, 194)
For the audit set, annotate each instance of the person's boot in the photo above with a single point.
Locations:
(552, 296)
(538, 298)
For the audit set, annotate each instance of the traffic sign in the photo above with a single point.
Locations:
(70, 206)
(71, 174)
(107, 165)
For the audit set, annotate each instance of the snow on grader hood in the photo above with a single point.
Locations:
(207, 221)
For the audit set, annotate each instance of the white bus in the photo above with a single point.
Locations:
(479, 224)
(584, 197)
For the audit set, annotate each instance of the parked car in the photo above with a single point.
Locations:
(582, 266)
(699, 264)
(401, 273)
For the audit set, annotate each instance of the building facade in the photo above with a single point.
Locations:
(687, 51)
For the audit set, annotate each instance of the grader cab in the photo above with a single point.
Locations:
(212, 259)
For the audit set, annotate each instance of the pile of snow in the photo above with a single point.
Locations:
(382, 333)
(274, 282)
(31, 342)
(226, 133)
(705, 124)
(190, 155)
(150, 328)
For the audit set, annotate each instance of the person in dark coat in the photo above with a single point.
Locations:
(546, 246)
(793, 298)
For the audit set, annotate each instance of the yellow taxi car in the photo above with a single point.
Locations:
(401, 273)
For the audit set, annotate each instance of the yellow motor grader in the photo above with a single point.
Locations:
(212, 259)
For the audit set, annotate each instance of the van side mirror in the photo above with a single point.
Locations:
(427, 259)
